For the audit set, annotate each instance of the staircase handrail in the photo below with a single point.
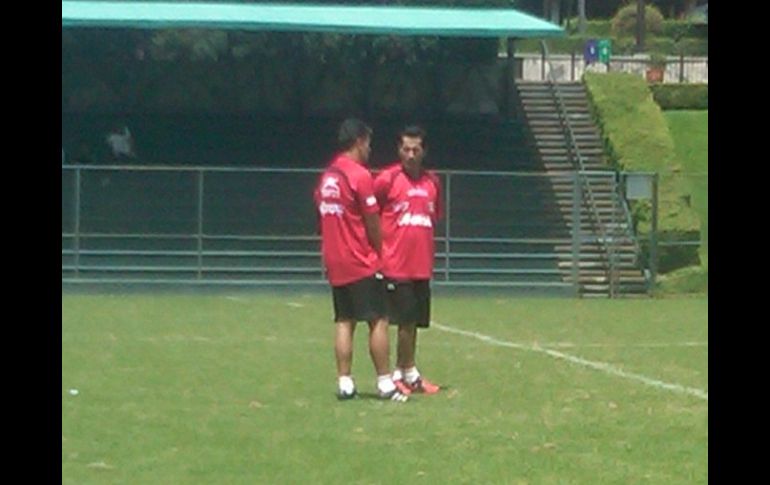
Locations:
(574, 149)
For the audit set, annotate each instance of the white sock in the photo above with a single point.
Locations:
(346, 384)
(385, 383)
(411, 374)
(398, 374)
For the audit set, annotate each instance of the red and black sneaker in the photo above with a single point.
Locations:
(344, 396)
(402, 387)
(394, 395)
(423, 386)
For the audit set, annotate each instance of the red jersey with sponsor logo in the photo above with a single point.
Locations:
(345, 192)
(410, 209)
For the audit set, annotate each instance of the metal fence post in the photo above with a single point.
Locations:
(611, 244)
(76, 240)
(576, 230)
(572, 66)
(200, 224)
(654, 231)
(681, 67)
(447, 224)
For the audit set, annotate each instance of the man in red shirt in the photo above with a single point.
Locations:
(410, 203)
(351, 244)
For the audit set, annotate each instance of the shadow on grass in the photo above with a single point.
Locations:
(374, 396)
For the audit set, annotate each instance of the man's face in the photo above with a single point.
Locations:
(411, 152)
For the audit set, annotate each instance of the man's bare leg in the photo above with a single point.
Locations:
(343, 347)
(379, 348)
(407, 343)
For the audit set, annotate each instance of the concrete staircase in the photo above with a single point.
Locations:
(608, 263)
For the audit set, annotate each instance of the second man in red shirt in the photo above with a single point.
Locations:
(410, 203)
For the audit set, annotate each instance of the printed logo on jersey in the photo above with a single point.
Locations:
(330, 209)
(331, 187)
(417, 192)
(419, 220)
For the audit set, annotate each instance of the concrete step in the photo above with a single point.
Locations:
(531, 109)
(556, 122)
(587, 220)
(564, 166)
(596, 185)
(594, 181)
(584, 146)
(583, 151)
(624, 258)
(593, 162)
(547, 96)
(545, 87)
(539, 85)
(599, 197)
(548, 99)
(597, 188)
(567, 250)
(558, 128)
(593, 280)
(546, 116)
(605, 211)
(552, 103)
(621, 276)
(591, 227)
(582, 138)
(597, 265)
(600, 204)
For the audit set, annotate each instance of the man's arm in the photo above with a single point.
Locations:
(370, 210)
(438, 203)
(381, 187)
(373, 231)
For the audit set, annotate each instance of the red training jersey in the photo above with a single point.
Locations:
(344, 193)
(410, 209)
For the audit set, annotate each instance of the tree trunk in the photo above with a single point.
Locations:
(582, 16)
(640, 26)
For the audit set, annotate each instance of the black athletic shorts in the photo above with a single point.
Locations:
(409, 302)
(362, 300)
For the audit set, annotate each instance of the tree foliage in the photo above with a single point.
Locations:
(624, 22)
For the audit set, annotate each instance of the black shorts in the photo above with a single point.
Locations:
(409, 302)
(362, 300)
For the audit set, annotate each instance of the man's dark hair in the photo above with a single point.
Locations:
(413, 131)
(351, 130)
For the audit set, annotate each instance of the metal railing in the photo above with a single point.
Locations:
(247, 226)
(570, 67)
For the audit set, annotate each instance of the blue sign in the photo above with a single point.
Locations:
(591, 51)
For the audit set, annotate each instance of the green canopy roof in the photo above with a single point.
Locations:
(391, 20)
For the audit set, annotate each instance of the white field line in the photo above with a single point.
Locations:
(572, 345)
(600, 366)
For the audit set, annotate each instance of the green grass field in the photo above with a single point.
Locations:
(239, 388)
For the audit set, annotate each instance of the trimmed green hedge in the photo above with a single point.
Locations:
(637, 138)
(681, 96)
